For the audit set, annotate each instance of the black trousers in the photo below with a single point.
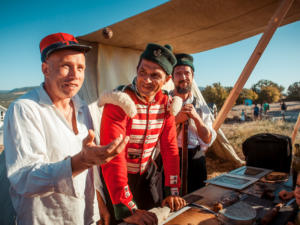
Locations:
(140, 189)
(197, 172)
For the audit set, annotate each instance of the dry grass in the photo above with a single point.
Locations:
(237, 133)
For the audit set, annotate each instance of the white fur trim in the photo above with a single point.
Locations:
(120, 99)
(176, 105)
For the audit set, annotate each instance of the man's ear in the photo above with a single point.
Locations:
(45, 69)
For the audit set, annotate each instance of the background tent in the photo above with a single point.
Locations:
(190, 26)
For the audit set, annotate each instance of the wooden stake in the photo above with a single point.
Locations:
(296, 128)
(274, 22)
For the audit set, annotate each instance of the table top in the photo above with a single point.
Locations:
(252, 195)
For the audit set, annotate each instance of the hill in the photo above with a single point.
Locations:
(6, 97)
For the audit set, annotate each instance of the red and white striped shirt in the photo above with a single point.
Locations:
(151, 125)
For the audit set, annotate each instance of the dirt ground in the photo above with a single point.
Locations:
(237, 132)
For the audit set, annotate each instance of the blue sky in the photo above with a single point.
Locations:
(24, 23)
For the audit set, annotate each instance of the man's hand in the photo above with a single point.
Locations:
(92, 154)
(181, 117)
(202, 130)
(190, 110)
(174, 202)
(97, 155)
(142, 217)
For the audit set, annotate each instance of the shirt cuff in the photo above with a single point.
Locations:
(63, 181)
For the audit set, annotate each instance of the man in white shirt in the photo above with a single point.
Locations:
(49, 142)
(200, 132)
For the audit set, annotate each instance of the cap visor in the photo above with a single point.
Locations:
(77, 47)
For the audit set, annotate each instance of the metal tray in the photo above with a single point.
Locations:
(232, 181)
(250, 171)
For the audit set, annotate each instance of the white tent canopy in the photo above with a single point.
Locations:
(190, 26)
(193, 26)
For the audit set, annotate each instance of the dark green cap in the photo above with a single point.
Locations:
(185, 59)
(162, 55)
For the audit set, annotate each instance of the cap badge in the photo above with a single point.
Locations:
(157, 52)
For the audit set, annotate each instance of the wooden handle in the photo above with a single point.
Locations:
(184, 158)
(270, 215)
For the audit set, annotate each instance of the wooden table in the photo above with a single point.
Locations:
(211, 194)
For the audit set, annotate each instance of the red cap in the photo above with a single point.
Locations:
(59, 41)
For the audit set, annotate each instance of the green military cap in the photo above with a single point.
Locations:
(185, 59)
(162, 55)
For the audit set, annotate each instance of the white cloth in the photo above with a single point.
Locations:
(193, 139)
(38, 145)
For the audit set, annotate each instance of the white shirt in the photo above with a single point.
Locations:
(38, 145)
(193, 139)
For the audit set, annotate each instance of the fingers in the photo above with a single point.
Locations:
(113, 145)
(178, 202)
(188, 107)
(174, 202)
(182, 203)
(170, 202)
(116, 146)
(89, 138)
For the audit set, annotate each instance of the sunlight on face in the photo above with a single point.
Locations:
(64, 74)
(183, 78)
(150, 78)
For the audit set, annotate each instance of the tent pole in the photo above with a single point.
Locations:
(273, 24)
(296, 128)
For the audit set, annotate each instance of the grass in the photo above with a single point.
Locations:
(237, 133)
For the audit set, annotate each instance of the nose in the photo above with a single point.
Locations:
(183, 76)
(147, 79)
(73, 73)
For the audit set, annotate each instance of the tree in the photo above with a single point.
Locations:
(266, 83)
(246, 94)
(215, 94)
(267, 91)
(269, 94)
(293, 92)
